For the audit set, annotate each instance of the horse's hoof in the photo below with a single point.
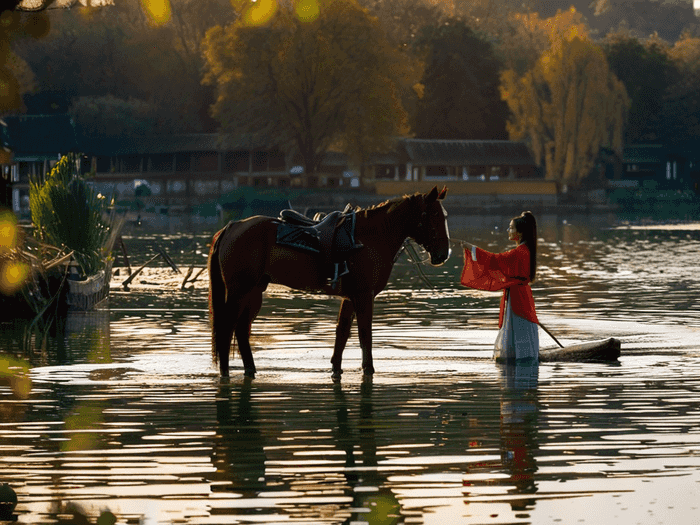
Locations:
(335, 375)
(249, 372)
(368, 371)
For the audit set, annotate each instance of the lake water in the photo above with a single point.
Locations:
(124, 411)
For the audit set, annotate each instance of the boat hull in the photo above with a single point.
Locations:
(605, 350)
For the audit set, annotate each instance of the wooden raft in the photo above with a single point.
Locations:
(605, 350)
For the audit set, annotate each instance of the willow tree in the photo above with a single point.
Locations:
(307, 75)
(568, 106)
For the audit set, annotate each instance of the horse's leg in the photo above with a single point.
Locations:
(364, 306)
(249, 313)
(346, 314)
(223, 324)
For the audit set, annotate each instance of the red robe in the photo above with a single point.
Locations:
(508, 271)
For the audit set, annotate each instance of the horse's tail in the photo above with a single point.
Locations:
(217, 288)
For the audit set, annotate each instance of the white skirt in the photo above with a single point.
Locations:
(518, 339)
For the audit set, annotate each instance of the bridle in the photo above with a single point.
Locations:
(427, 234)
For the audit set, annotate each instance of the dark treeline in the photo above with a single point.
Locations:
(123, 69)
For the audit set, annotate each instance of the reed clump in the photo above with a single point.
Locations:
(67, 212)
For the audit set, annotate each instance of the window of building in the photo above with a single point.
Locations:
(103, 164)
(130, 163)
(385, 171)
(182, 162)
(260, 160)
(162, 162)
(276, 161)
(235, 161)
(206, 161)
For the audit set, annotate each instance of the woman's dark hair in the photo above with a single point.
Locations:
(526, 225)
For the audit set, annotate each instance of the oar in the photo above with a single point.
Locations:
(413, 257)
(551, 335)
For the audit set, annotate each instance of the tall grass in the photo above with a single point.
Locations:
(67, 212)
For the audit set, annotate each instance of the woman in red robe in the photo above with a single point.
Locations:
(512, 272)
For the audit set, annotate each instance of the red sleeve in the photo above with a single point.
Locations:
(499, 271)
(495, 271)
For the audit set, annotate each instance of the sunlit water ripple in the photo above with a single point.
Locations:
(127, 413)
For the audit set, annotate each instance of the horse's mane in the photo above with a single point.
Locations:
(387, 206)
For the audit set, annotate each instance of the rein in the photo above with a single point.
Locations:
(415, 259)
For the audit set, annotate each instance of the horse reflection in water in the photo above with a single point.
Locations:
(244, 258)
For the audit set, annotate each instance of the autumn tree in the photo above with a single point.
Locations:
(568, 106)
(460, 96)
(136, 51)
(305, 79)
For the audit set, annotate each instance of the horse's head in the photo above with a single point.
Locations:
(432, 232)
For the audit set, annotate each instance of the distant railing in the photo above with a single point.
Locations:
(464, 187)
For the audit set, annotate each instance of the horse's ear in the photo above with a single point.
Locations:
(433, 195)
(443, 193)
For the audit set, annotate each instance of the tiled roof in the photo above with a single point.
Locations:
(467, 152)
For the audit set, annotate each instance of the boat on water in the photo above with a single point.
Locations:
(594, 351)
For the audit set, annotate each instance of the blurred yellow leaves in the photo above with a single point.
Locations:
(307, 10)
(8, 231)
(13, 272)
(17, 371)
(158, 11)
(83, 426)
(260, 12)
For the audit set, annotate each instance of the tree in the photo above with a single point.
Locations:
(307, 84)
(568, 106)
(681, 112)
(109, 116)
(130, 51)
(647, 72)
(461, 79)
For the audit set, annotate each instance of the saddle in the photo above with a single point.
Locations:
(331, 236)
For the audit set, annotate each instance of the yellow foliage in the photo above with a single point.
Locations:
(686, 52)
(12, 276)
(260, 12)
(9, 233)
(318, 72)
(419, 89)
(307, 10)
(568, 105)
(157, 11)
(83, 427)
(17, 371)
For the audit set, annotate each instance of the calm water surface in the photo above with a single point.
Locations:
(124, 411)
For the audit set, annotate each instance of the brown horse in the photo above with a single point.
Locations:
(244, 258)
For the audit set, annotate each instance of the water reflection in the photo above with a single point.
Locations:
(519, 423)
(127, 413)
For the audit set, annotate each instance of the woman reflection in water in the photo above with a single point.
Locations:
(512, 272)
